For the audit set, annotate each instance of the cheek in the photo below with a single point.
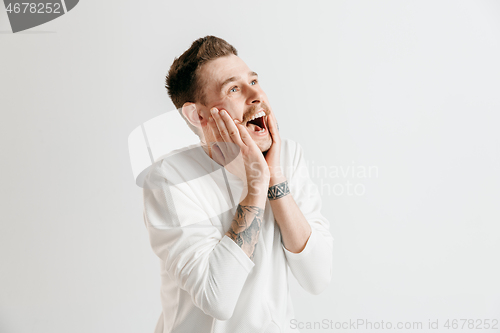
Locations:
(234, 109)
(265, 98)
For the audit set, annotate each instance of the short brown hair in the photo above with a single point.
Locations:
(182, 82)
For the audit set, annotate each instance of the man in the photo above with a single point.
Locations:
(224, 267)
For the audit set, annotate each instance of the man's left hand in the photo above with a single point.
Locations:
(273, 154)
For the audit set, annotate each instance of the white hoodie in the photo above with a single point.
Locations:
(208, 283)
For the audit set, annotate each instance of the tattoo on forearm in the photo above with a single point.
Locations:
(246, 227)
(278, 191)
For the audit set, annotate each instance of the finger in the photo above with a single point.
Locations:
(215, 129)
(273, 127)
(231, 144)
(220, 145)
(228, 149)
(233, 131)
(234, 144)
(221, 125)
(245, 136)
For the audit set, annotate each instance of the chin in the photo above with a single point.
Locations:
(265, 146)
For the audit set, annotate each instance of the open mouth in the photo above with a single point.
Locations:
(257, 123)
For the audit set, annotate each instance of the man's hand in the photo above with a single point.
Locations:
(233, 138)
(273, 154)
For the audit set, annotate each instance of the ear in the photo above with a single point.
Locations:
(190, 111)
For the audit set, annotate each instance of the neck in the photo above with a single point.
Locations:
(206, 148)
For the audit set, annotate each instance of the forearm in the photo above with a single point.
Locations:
(295, 230)
(247, 221)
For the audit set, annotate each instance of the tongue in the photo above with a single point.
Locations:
(253, 127)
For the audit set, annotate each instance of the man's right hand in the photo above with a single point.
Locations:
(230, 137)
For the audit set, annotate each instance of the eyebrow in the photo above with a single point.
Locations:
(235, 78)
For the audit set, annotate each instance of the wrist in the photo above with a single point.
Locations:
(255, 195)
(278, 190)
(257, 187)
(276, 179)
(276, 174)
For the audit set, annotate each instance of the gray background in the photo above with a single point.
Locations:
(410, 87)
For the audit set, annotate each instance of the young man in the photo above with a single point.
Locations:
(224, 266)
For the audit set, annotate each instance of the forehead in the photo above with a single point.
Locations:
(216, 71)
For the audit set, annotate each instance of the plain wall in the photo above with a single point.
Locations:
(406, 89)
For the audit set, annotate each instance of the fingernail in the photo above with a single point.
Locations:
(222, 112)
(213, 110)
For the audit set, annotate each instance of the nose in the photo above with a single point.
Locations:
(254, 95)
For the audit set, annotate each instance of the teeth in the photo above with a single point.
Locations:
(258, 115)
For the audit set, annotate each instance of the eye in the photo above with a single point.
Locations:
(254, 82)
(233, 89)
